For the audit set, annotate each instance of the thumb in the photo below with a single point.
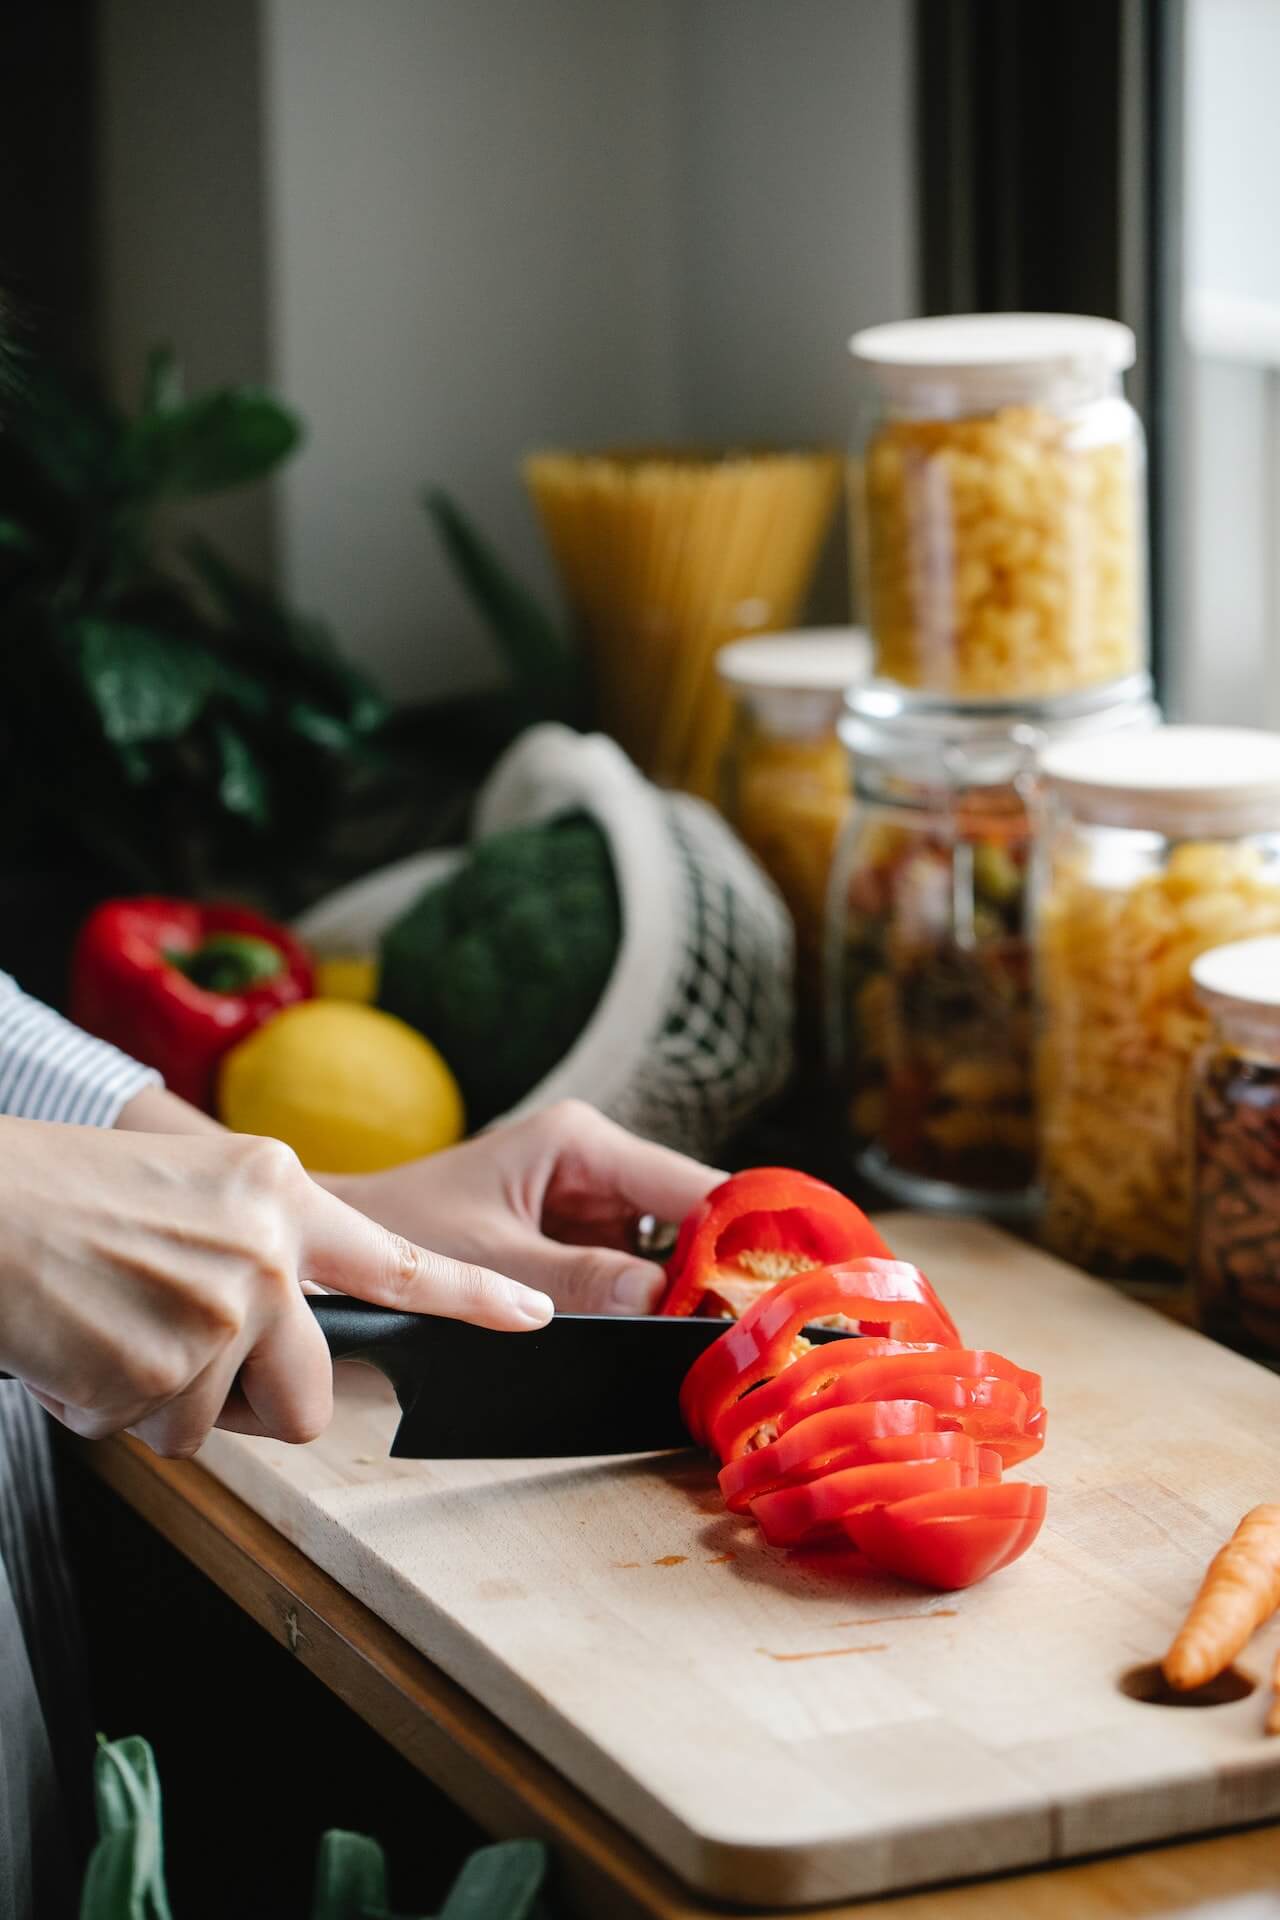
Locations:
(595, 1279)
(345, 1249)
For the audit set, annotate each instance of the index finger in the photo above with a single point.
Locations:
(342, 1248)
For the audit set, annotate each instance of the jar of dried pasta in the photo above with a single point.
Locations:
(1159, 848)
(998, 496)
(1235, 1263)
(784, 776)
(930, 954)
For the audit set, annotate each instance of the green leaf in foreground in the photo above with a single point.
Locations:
(499, 1883)
(351, 1878)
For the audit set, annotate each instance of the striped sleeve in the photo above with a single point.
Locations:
(50, 1070)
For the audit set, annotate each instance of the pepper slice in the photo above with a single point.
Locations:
(838, 1438)
(800, 1516)
(977, 1392)
(879, 1297)
(754, 1420)
(952, 1537)
(755, 1229)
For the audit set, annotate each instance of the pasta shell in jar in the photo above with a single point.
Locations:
(999, 505)
(1161, 849)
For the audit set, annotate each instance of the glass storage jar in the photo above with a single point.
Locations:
(929, 948)
(784, 776)
(1158, 848)
(998, 495)
(1235, 1260)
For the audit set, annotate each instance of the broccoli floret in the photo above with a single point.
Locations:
(501, 965)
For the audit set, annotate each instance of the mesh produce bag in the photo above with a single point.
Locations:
(693, 1031)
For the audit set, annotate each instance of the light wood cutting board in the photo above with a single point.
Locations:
(780, 1734)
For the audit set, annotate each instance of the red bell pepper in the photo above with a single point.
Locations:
(801, 1516)
(876, 1296)
(951, 1537)
(176, 985)
(844, 1437)
(756, 1229)
(978, 1393)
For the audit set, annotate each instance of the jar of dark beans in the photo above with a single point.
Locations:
(1236, 1229)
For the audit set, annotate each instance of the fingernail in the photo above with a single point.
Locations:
(636, 1290)
(534, 1308)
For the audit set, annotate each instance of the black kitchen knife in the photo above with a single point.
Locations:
(583, 1384)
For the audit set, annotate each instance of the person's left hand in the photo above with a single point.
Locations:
(551, 1200)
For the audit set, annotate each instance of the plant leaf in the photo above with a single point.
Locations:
(351, 1877)
(498, 1883)
(127, 1796)
(114, 1886)
(216, 441)
(242, 785)
(144, 684)
(537, 654)
(163, 388)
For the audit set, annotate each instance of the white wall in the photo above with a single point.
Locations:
(490, 224)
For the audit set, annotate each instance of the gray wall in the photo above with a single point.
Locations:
(451, 230)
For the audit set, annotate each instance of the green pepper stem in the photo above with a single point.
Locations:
(229, 962)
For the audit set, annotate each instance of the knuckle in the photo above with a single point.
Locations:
(270, 1166)
(570, 1119)
(405, 1265)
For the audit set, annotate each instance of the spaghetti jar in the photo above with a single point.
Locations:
(929, 929)
(999, 504)
(1159, 848)
(1235, 1265)
(784, 776)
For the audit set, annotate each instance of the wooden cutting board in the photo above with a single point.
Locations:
(783, 1734)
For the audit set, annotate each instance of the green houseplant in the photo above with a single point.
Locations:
(168, 723)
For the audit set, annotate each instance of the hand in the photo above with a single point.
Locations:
(551, 1200)
(155, 1282)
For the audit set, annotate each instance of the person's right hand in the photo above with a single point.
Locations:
(140, 1274)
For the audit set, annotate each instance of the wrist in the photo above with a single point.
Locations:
(155, 1110)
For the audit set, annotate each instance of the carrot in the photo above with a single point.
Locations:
(1273, 1711)
(1240, 1591)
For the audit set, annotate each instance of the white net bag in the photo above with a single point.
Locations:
(693, 1030)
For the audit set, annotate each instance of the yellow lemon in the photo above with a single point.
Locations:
(348, 976)
(351, 1089)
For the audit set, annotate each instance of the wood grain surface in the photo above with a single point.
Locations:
(780, 1733)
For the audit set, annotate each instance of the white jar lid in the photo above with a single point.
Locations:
(1179, 781)
(812, 660)
(954, 343)
(1246, 973)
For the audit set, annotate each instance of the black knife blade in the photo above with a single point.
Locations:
(583, 1384)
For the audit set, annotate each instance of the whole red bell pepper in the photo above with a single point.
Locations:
(758, 1228)
(176, 985)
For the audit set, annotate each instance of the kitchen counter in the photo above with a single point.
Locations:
(509, 1789)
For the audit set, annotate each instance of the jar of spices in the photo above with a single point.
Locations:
(998, 502)
(784, 777)
(930, 1008)
(1235, 1262)
(1159, 848)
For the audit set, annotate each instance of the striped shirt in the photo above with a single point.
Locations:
(50, 1070)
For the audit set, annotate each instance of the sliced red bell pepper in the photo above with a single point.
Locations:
(831, 1440)
(755, 1229)
(880, 1297)
(979, 1393)
(798, 1516)
(753, 1420)
(176, 985)
(952, 1537)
